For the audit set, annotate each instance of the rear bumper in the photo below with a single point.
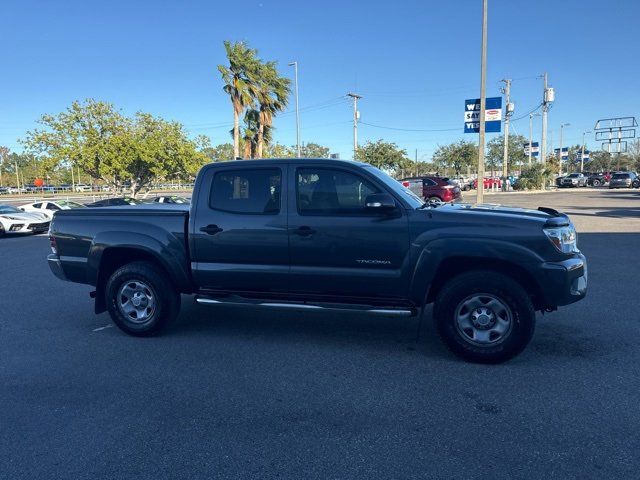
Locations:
(56, 266)
(564, 282)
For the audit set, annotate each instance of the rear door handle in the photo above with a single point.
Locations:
(211, 229)
(305, 231)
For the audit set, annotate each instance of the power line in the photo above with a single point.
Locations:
(526, 114)
(412, 129)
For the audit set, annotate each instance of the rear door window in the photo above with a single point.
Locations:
(255, 191)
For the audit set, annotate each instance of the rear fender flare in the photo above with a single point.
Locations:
(165, 248)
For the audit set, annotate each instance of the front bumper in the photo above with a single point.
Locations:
(56, 266)
(565, 282)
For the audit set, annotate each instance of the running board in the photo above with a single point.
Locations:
(399, 312)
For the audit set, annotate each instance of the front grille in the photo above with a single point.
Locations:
(39, 227)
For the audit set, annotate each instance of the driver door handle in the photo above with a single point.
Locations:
(211, 229)
(304, 231)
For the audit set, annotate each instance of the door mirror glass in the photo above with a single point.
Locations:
(380, 201)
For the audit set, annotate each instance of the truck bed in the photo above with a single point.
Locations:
(82, 236)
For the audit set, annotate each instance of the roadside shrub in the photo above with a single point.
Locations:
(534, 177)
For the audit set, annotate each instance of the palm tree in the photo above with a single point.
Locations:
(250, 133)
(272, 95)
(240, 81)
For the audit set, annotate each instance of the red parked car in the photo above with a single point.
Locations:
(489, 183)
(434, 188)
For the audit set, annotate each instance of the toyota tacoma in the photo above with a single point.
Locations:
(326, 234)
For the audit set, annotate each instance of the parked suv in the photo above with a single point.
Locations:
(622, 180)
(574, 180)
(434, 188)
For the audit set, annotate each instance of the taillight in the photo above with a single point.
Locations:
(405, 184)
(52, 242)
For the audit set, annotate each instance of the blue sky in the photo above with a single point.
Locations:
(414, 62)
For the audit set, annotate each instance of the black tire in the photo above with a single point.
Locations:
(596, 183)
(434, 198)
(162, 295)
(510, 294)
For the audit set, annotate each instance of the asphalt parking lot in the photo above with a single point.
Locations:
(247, 393)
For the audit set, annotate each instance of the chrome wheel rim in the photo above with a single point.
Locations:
(136, 301)
(483, 319)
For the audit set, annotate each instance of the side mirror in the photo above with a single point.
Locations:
(380, 201)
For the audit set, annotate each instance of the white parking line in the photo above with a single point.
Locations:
(102, 328)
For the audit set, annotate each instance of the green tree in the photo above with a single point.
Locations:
(272, 96)
(106, 145)
(221, 152)
(457, 156)
(277, 150)
(495, 153)
(240, 83)
(533, 177)
(384, 155)
(314, 150)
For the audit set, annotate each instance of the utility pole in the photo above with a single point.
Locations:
(547, 98)
(562, 125)
(356, 117)
(508, 110)
(582, 153)
(483, 104)
(295, 68)
(416, 163)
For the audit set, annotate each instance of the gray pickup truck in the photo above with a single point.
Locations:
(325, 234)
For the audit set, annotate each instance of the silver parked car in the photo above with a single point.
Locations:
(622, 180)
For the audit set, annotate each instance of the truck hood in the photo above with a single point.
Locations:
(494, 212)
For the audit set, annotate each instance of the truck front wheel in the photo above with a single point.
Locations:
(484, 316)
(141, 299)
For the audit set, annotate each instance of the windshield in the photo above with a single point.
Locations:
(69, 204)
(4, 209)
(621, 175)
(407, 195)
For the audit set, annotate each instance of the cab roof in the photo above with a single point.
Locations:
(272, 161)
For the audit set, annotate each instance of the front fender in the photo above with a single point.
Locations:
(437, 251)
(167, 249)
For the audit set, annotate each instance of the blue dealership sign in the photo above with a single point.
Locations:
(565, 152)
(492, 115)
(535, 149)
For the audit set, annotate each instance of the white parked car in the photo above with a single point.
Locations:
(83, 188)
(13, 220)
(49, 208)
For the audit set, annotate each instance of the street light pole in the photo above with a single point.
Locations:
(483, 88)
(295, 69)
(562, 125)
(582, 153)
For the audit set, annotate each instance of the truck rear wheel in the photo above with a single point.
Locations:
(484, 316)
(141, 299)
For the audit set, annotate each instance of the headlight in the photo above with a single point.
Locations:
(565, 239)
